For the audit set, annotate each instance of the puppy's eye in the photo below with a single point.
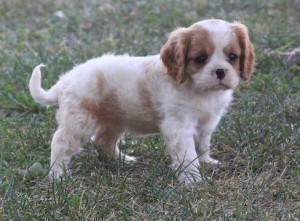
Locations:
(232, 57)
(201, 59)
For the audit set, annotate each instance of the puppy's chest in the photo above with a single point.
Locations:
(211, 106)
(203, 108)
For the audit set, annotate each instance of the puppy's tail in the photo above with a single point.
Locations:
(47, 98)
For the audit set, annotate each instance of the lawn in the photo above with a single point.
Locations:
(257, 141)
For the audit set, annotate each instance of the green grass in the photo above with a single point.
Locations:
(257, 141)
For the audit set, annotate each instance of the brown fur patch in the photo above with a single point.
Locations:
(234, 47)
(100, 82)
(107, 111)
(182, 48)
(145, 98)
(200, 45)
(108, 114)
(173, 55)
(106, 139)
(247, 53)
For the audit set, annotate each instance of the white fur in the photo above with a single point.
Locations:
(185, 114)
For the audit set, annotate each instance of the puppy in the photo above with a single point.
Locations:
(181, 93)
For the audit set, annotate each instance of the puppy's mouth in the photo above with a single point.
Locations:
(222, 86)
(215, 85)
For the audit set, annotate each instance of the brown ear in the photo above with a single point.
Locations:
(173, 55)
(247, 56)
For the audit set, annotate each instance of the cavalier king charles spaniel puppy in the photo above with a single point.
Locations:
(181, 93)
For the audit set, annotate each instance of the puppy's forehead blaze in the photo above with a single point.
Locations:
(200, 43)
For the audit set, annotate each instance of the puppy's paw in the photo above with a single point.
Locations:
(93, 138)
(128, 159)
(188, 178)
(56, 173)
(208, 160)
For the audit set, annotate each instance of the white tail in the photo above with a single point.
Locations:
(47, 98)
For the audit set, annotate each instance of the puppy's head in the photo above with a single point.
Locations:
(213, 54)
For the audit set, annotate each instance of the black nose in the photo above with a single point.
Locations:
(220, 73)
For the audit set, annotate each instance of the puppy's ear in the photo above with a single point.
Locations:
(247, 56)
(173, 55)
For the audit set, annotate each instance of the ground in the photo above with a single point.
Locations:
(257, 141)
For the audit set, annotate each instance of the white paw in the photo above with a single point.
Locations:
(128, 159)
(56, 172)
(54, 175)
(93, 138)
(207, 159)
(188, 178)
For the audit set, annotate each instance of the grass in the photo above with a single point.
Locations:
(257, 141)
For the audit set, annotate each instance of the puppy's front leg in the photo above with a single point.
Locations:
(180, 145)
(202, 142)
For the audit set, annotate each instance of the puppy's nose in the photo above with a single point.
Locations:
(220, 73)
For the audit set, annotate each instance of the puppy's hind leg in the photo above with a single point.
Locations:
(123, 156)
(63, 147)
(106, 140)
